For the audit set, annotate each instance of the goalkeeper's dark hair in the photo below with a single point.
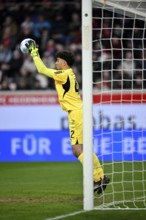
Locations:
(67, 56)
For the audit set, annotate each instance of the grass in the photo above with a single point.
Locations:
(38, 191)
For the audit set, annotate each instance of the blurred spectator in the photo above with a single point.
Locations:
(138, 80)
(117, 31)
(12, 68)
(5, 57)
(60, 29)
(8, 39)
(75, 28)
(116, 48)
(37, 85)
(42, 80)
(106, 32)
(27, 25)
(76, 7)
(39, 25)
(121, 80)
(5, 54)
(103, 82)
(128, 65)
(51, 47)
(5, 85)
(48, 59)
(11, 24)
(29, 65)
(24, 80)
(44, 39)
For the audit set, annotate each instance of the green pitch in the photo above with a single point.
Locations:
(40, 191)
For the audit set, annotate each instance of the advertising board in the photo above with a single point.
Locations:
(34, 128)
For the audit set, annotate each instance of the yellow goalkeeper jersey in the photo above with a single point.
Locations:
(66, 85)
(68, 89)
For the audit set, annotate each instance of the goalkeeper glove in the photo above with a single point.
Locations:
(33, 48)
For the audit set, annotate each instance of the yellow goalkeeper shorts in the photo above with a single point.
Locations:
(75, 118)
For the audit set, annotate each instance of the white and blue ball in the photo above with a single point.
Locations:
(24, 45)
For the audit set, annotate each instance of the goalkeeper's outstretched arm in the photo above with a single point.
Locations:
(41, 68)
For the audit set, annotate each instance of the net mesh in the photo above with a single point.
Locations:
(132, 8)
(119, 83)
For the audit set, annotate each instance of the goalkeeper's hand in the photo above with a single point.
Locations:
(33, 48)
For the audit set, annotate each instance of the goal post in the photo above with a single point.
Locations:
(87, 104)
(114, 101)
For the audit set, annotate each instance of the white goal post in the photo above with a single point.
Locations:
(114, 86)
(87, 104)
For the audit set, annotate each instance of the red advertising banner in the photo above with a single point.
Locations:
(52, 99)
(28, 99)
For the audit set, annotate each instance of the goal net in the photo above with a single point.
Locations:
(119, 101)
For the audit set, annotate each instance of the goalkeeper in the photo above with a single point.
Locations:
(70, 101)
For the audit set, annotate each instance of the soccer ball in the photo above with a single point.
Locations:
(24, 45)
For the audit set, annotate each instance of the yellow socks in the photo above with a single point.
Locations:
(80, 158)
(97, 170)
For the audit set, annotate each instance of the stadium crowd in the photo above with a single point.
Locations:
(119, 51)
(56, 25)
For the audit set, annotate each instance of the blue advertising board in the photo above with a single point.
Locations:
(46, 145)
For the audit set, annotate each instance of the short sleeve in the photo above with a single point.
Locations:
(60, 76)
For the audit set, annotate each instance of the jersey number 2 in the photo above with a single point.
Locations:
(72, 134)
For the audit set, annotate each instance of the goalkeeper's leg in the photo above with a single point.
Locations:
(97, 169)
(75, 125)
(100, 180)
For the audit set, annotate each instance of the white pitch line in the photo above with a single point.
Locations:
(67, 215)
